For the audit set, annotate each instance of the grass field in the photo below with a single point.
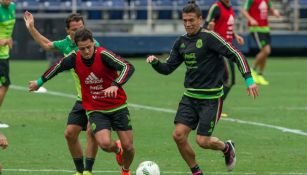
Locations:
(270, 132)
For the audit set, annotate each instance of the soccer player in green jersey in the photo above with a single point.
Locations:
(7, 22)
(201, 104)
(77, 119)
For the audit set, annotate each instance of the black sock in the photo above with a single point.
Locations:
(196, 170)
(79, 164)
(89, 162)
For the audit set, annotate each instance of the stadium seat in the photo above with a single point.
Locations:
(140, 9)
(163, 8)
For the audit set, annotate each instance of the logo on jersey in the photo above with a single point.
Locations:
(182, 45)
(263, 7)
(199, 43)
(93, 79)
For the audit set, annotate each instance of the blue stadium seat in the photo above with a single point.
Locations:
(164, 9)
(116, 8)
(141, 8)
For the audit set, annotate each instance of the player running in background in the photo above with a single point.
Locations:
(221, 19)
(77, 119)
(256, 12)
(102, 75)
(201, 104)
(7, 23)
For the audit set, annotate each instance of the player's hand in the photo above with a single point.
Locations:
(253, 22)
(111, 92)
(33, 86)
(276, 13)
(239, 39)
(3, 141)
(29, 19)
(253, 91)
(10, 43)
(151, 59)
(211, 25)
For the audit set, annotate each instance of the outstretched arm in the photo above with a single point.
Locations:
(45, 43)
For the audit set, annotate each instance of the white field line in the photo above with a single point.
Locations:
(162, 172)
(283, 129)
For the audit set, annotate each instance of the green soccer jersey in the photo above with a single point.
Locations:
(66, 47)
(7, 22)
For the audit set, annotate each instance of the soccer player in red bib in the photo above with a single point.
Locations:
(221, 19)
(256, 12)
(102, 75)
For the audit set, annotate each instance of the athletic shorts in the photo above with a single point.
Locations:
(202, 114)
(262, 38)
(117, 120)
(4, 72)
(77, 116)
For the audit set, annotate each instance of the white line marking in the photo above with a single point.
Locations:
(162, 172)
(283, 129)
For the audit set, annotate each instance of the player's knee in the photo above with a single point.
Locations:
(128, 147)
(179, 137)
(70, 135)
(105, 145)
(203, 142)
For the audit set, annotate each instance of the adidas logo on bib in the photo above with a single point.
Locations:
(92, 79)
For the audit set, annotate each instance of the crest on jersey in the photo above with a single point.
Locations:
(199, 43)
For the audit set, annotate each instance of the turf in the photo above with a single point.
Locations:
(37, 123)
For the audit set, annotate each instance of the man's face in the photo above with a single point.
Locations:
(73, 27)
(5, 3)
(86, 48)
(191, 22)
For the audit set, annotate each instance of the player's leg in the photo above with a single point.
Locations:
(73, 129)
(186, 119)
(4, 78)
(121, 124)
(209, 112)
(91, 150)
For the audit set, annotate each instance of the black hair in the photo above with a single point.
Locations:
(76, 17)
(192, 7)
(83, 34)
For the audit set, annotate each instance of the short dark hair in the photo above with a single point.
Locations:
(83, 34)
(76, 17)
(192, 7)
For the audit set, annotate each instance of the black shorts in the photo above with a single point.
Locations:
(4, 72)
(202, 114)
(262, 38)
(77, 116)
(117, 120)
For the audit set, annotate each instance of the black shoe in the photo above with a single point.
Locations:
(230, 155)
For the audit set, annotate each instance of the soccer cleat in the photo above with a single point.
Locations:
(87, 173)
(261, 80)
(224, 115)
(254, 75)
(119, 155)
(230, 155)
(125, 172)
(77, 173)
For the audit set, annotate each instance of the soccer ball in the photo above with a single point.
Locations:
(148, 168)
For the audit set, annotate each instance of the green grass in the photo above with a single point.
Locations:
(37, 123)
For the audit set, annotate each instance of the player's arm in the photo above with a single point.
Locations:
(173, 61)
(219, 45)
(239, 39)
(213, 15)
(125, 68)
(66, 63)
(273, 11)
(4, 42)
(245, 13)
(44, 42)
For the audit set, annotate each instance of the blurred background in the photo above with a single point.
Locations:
(141, 27)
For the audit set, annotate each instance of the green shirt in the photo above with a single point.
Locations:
(7, 22)
(66, 47)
